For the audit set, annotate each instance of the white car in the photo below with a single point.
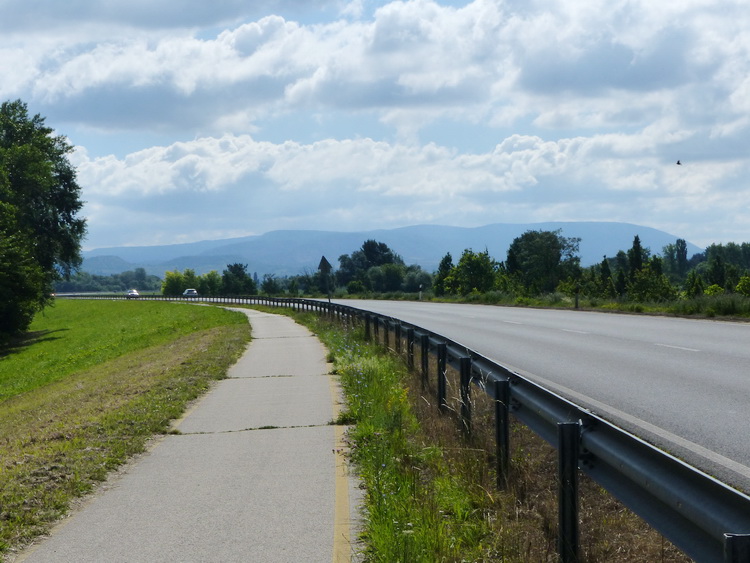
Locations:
(190, 293)
(132, 294)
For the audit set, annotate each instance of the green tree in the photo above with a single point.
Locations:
(650, 284)
(378, 254)
(675, 260)
(416, 279)
(41, 202)
(743, 286)
(542, 259)
(355, 287)
(443, 271)
(236, 281)
(606, 285)
(694, 285)
(716, 272)
(637, 257)
(475, 272)
(43, 187)
(270, 285)
(372, 254)
(386, 278)
(375, 279)
(210, 284)
(21, 278)
(173, 284)
(190, 279)
(682, 259)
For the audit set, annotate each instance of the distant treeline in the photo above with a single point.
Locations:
(537, 263)
(83, 282)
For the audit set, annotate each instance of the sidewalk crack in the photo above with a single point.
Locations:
(177, 432)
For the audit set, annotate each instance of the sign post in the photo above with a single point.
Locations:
(325, 270)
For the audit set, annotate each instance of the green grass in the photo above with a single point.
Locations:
(89, 388)
(75, 335)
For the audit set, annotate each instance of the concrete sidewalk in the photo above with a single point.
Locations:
(255, 474)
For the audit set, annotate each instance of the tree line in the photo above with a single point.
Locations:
(537, 263)
(84, 282)
(234, 280)
(545, 262)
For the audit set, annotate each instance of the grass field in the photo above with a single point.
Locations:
(87, 388)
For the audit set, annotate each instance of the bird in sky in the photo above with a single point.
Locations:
(679, 163)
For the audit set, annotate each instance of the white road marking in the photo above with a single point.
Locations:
(575, 331)
(676, 347)
(602, 409)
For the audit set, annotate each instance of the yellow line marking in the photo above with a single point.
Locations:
(341, 518)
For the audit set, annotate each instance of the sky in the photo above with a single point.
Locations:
(195, 120)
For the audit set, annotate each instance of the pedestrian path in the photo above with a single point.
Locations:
(255, 472)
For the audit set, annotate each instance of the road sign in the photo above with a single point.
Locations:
(325, 266)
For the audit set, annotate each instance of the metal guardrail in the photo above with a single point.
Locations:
(702, 516)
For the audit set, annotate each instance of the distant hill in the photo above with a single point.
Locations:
(295, 252)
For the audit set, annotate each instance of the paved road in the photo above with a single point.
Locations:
(682, 384)
(255, 473)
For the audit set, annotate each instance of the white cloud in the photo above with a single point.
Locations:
(340, 183)
(336, 114)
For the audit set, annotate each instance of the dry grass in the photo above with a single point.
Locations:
(524, 516)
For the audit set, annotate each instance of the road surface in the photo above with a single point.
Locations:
(681, 384)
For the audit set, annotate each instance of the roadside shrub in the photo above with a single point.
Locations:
(743, 286)
(355, 287)
(714, 289)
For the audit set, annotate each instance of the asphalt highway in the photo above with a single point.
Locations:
(681, 384)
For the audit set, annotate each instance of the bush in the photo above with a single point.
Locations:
(714, 289)
(743, 286)
(355, 287)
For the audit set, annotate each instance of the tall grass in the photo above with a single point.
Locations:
(416, 509)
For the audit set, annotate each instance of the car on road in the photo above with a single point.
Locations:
(190, 293)
(132, 294)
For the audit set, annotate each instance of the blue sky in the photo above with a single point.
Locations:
(195, 120)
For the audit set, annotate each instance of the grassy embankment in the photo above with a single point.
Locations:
(431, 494)
(87, 388)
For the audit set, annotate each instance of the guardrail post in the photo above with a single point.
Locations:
(502, 430)
(466, 395)
(386, 333)
(367, 327)
(410, 348)
(398, 337)
(736, 548)
(442, 360)
(425, 341)
(568, 434)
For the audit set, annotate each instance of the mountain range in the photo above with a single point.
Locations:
(291, 252)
